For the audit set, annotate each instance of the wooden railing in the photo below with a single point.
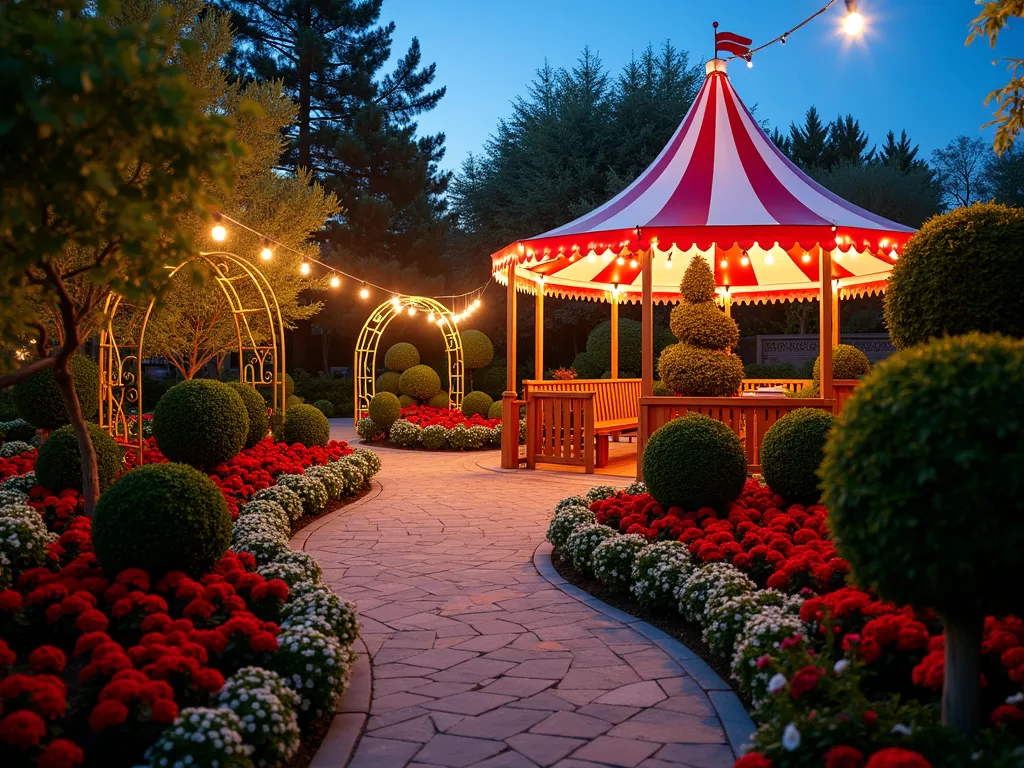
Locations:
(790, 385)
(748, 417)
(615, 400)
(560, 429)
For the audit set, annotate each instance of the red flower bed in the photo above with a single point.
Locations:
(18, 465)
(425, 416)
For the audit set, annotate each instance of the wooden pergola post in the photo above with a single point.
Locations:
(825, 315)
(835, 316)
(509, 411)
(615, 332)
(538, 334)
(647, 323)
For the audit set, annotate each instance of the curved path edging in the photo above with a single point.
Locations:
(739, 728)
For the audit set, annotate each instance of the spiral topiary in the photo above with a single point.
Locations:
(441, 400)
(256, 409)
(326, 407)
(420, 382)
(59, 463)
(401, 356)
(698, 283)
(389, 382)
(161, 518)
(693, 462)
(494, 412)
(305, 424)
(385, 410)
(695, 372)
(477, 349)
(792, 451)
(848, 362)
(200, 422)
(476, 403)
(39, 401)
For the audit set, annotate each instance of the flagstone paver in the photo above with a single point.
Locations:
(477, 660)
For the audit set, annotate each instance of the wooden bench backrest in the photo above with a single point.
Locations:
(614, 399)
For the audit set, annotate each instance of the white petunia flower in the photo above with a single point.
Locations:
(790, 738)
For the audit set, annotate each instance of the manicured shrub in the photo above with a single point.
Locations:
(401, 356)
(404, 433)
(305, 424)
(921, 479)
(660, 390)
(477, 349)
(959, 273)
(385, 409)
(792, 451)
(160, 518)
(420, 382)
(494, 412)
(368, 429)
(268, 395)
(694, 372)
(326, 407)
(38, 399)
(599, 348)
(583, 541)
(59, 464)
(698, 283)
(704, 325)
(19, 429)
(294, 400)
(441, 400)
(477, 402)
(491, 379)
(693, 462)
(848, 362)
(585, 368)
(434, 437)
(200, 422)
(613, 560)
(406, 400)
(256, 409)
(389, 382)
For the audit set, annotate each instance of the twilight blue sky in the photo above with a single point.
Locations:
(912, 70)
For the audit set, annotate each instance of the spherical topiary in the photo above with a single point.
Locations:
(494, 412)
(160, 518)
(694, 372)
(200, 422)
(476, 402)
(599, 347)
(59, 464)
(960, 272)
(704, 325)
(441, 400)
(388, 382)
(401, 356)
(693, 462)
(256, 409)
(585, 368)
(491, 379)
(294, 400)
(660, 390)
(698, 284)
(477, 349)
(385, 410)
(848, 362)
(406, 400)
(420, 382)
(791, 453)
(326, 407)
(38, 399)
(307, 425)
(921, 476)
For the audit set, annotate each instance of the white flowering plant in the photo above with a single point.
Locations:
(14, 448)
(600, 492)
(434, 437)
(724, 621)
(304, 561)
(658, 571)
(315, 666)
(268, 710)
(613, 559)
(565, 521)
(289, 500)
(369, 459)
(321, 601)
(23, 483)
(404, 433)
(572, 501)
(309, 489)
(636, 488)
(12, 496)
(331, 476)
(462, 439)
(762, 635)
(269, 512)
(583, 541)
(201, 736)
(712, 581)
(259, 537)
(287, 572)
(24, 541)
(368, 430)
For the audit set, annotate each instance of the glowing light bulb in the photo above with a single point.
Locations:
(669, 262)
(412, 311)
(335, 281)
(476, 302)
(304, 268)
(395, 301)
(632, 264)
(750, 63)
(218, 233)
(805, 258)
(620, 261)
(591, 258)
(607, 257)
(745, 261)
(430, 317)
(853, 24)
(266, 254)
(769, 259)
(723, 263)
(364, 293)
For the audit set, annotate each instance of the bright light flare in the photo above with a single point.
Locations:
(266, 254)
(304, 268)
(335, 281)
(853, 24)
(218, 233)
(364, 293)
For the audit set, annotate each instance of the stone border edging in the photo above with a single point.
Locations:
(739, 728)
(343, 735)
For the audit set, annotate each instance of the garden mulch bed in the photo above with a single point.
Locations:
(672, 624)
(311, 738)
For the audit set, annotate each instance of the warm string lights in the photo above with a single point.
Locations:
(852, 25)
(219, 233)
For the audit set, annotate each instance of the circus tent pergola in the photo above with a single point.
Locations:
(722, 190)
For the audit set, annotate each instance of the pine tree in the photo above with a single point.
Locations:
(900, 154)
(847, 143)
(809, 146)
(783, 142)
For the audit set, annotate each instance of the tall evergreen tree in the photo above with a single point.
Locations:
(1004, 176)
(900, 154)
(847, 143)
(809, 143)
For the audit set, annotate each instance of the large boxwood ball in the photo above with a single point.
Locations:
(441, 400)
(922, 476)
(848, 362)
(477, 349)
(38, 399)
(385, 410)
(585, 367)
(960, 272)
(256, 409)
(326, 407)
(693, 462)
(495, 411)
(401, 356)
(305, 424)
(704, 325)
(59, 463)
(200, 422)
(160, 518)
(694, 372)
(389, 382)
(792, 451)
(407, 400)
(420, 382)
(478, 403)
(599, 346)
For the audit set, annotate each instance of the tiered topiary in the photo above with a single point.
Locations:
(922, 483)
(200, 422)
(848, 362)
(256, 409)
(792, 451)
(478, 403)
(305, 424)
(693, 462)
(326, 407)
(59, 464)
(419, 382)
(401, 356)
(388, 382)
(161, 518)
(385, 410)
(38, 399)
(701, 364)
(960, 272)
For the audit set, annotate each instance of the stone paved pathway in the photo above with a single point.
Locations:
(477, 660)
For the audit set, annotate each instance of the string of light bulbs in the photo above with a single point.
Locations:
(853, 25)
(472, 298)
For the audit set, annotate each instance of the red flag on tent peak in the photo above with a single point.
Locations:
(732, 43)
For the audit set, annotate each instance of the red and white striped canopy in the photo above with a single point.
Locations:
(720, 189)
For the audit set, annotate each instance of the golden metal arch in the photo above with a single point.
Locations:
(372, 331)
(120, 376)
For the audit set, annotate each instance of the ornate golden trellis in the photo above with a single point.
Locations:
(373, 329)
(121, 360)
